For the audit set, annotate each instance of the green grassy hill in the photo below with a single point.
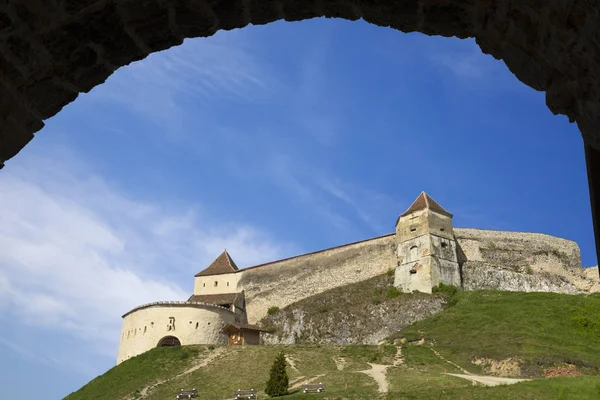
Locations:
(538, 330)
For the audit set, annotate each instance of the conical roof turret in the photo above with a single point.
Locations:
(425, 202)
(224, 264)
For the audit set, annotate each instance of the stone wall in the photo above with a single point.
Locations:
(519, 261)
(284, 282)
(144, 327)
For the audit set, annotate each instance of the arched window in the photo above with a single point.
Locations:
(414, 253)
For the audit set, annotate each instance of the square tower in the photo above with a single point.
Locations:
(426, 248)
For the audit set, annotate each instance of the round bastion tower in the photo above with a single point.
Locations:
(216, 302)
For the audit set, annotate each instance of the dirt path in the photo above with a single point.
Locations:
(378, 372)
(306, 381)
(489, 380)
(291, 362)
(340, 363)
(213, 355)
(449, 362)
(399, 358)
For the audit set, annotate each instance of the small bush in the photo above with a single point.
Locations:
(272, 310)
(392, 292)
(443, 288)
(528, 270)
(391, 272)
(278, 382)
(211, 347)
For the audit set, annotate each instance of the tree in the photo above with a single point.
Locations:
(277, 385)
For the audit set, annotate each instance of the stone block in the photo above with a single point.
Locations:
(76, 6)
(47, 98)
(29, 59)
(448, 18)
(102, 27)
(37, 15)
(13, 138)
(194, 18)
(300, 10)
(229, 12)
(149, 19)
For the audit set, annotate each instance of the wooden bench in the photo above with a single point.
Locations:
(245, 394)
(313, 387)
(187, 394)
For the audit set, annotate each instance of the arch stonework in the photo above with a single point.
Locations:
(169, 341)
(52, 50)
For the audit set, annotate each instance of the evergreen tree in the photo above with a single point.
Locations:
(277, 385)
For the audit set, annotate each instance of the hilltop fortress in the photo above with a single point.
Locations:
(424, 251)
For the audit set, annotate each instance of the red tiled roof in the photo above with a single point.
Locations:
(424, 201)
(222, 265)
(218, 299)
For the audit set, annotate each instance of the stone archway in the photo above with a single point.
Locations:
(52, 50)
(168, 341)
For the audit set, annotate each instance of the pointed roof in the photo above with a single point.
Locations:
(222, 265)
(424, 202)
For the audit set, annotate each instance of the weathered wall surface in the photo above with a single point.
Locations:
(478, 275)
(519, 261)
(360, 313)
(285, 282)
(144, 328)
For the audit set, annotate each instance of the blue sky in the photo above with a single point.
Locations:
(269, 141)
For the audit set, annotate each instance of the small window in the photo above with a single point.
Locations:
(413, 228)
(216, 283)
(196, 325)
(442, 229)
(227, 283)
(204, 284)
(444, 245)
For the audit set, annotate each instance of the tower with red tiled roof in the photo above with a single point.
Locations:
(426, 248)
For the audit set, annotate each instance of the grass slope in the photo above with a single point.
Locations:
(542, 329)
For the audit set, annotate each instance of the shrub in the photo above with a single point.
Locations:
(442, 288)
(272, 310)
(391, 272)
(392, 292)
(211, 347)
(528, 270)
(277, 385)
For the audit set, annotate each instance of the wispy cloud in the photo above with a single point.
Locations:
(198, 72)
(77, 252)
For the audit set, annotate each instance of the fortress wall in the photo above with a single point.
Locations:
(144, 328)
(519, 252)
(287, 281)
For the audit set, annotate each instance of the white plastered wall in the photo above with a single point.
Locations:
(225, 283)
